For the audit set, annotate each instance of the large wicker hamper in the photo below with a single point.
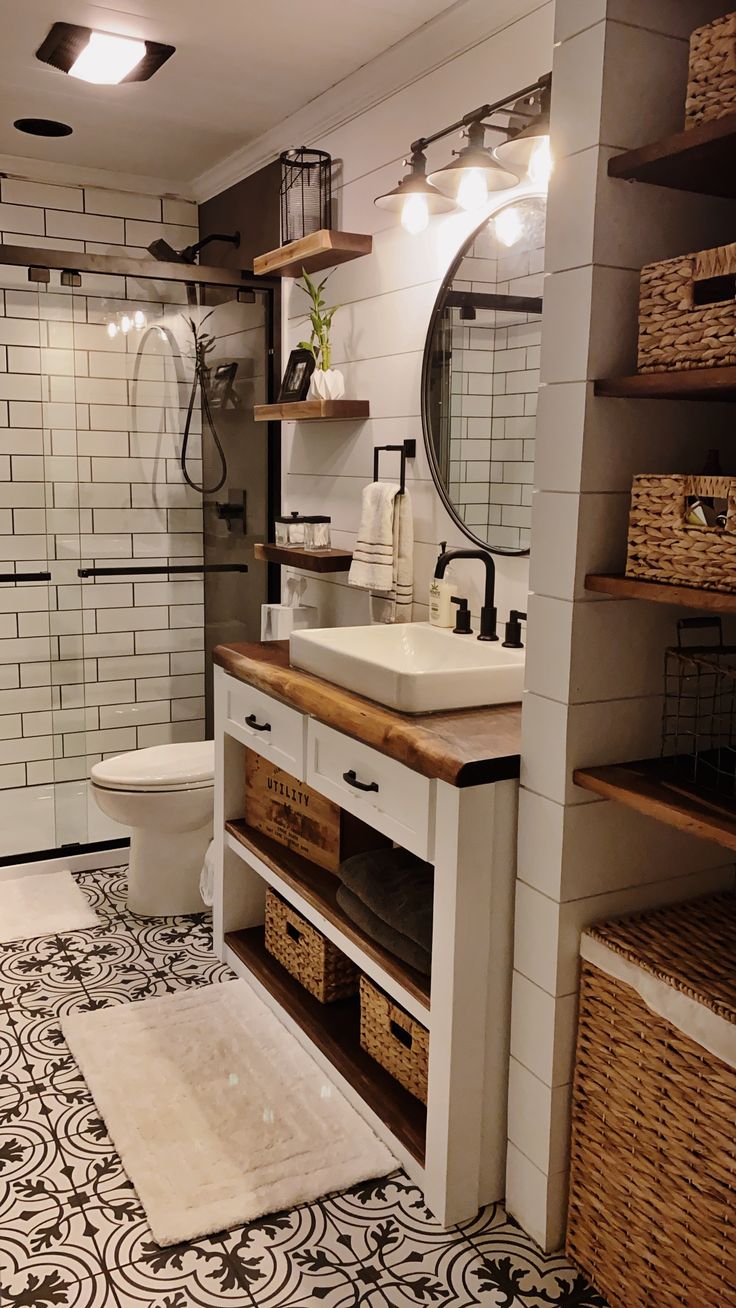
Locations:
(711, 83)
(663, 546)
(687, 311)
(652, 1216)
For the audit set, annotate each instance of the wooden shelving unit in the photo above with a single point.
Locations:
(654, 592)
(318, 889)
(692, 384)
(313, 411)
(700, 159)
(291, 556)
(334, 1030)
(322, 249)
(649, 787)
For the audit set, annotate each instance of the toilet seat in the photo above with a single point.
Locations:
(158, 769)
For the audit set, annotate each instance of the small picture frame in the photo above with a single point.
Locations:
(297, 377)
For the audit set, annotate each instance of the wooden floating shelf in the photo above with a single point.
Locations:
(692, 384)
(291, 556)
(700, 159)
(686, 597)
(322, 249)
(646, 787)
(334, 1029)
(313, 411)
(319, 889)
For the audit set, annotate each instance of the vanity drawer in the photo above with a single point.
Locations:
(265, 725)
(380, 791)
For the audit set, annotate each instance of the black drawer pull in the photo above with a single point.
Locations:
(250, 721)
(404, 1038)
(352, 780)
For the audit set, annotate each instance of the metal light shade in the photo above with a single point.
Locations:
(519, 150)
(473, 159)
(415, 183)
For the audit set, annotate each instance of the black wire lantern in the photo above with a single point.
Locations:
(306, 192)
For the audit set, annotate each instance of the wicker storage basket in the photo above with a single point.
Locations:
(315, 962)
(664, 547)
(711, 83)
(394, 1039)
(687, 311)
(652, 1221)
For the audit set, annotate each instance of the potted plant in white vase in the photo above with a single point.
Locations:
(327, 383)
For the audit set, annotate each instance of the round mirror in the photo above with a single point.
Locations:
(481, 376)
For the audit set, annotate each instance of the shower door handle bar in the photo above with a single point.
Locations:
(25, 576)
(161, 571)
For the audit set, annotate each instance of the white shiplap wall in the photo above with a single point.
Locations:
(380, 333)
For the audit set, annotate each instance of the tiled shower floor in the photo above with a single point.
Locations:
(72, 1232)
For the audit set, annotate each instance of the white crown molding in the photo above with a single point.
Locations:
(62, 174)
(465, 25)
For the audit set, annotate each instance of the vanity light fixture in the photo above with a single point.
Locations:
(105, 58)
(476, 171)
(415, 198)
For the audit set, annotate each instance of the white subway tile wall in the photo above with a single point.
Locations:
(89, 477)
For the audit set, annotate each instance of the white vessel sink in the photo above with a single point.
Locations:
(412, 666)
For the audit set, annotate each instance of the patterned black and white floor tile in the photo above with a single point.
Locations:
(73, 1234)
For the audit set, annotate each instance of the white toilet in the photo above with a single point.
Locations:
(165, 794)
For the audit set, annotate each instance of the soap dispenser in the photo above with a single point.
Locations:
(441, 612)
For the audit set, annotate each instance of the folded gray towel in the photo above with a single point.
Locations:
(396, 943)
(398, 887)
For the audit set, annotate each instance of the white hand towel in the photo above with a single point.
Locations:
(383, 559)
(207, 876)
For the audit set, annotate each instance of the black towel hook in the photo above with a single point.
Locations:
(407, 450)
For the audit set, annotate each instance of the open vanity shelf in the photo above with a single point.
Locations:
(653, 592)
(291, 556)
(313, 411)
(322, 249)
(700, 159)
(648, 787)
(691, 384)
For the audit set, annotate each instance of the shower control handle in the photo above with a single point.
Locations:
(250, 721)
(352, 780)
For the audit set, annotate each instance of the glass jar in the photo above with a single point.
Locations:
(311, 531)
(317, 532)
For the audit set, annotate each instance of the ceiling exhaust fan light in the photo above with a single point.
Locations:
(107, 59)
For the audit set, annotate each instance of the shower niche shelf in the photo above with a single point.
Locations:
(313, 411)
(322, 249)
(290, 556)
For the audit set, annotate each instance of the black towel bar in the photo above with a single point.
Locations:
(407, 450)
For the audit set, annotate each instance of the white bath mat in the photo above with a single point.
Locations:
(41, 906)
(217, 1112)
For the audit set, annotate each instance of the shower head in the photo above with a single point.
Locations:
(165, 253)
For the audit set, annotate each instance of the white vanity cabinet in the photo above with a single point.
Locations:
(455, 1149)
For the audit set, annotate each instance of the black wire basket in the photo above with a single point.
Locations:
(306, 193)
(699, 714)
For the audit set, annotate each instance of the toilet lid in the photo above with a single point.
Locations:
(186, 766)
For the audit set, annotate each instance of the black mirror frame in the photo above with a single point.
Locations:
(437, 310)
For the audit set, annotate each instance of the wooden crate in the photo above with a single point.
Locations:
(711, 83)
(297, 816)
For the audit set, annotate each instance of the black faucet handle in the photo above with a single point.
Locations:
(462, 624)
(513, 630)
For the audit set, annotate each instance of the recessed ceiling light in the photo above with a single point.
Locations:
(105, 58)
(42, 127)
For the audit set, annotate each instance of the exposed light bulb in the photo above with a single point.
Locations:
(107, 59)
(126, 323)
(112, 330)
(139, 318)
(508, 226)
(415, 213)
(540, 163)
(472, 192)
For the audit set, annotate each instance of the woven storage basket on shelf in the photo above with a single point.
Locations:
(394, 1039)
(315, 962)
(664, 547)
(652, 1219)
(687, 311)
(711, 83)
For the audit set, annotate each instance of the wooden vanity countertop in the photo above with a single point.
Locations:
(465, 747)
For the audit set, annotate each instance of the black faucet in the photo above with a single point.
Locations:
(488, 612)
